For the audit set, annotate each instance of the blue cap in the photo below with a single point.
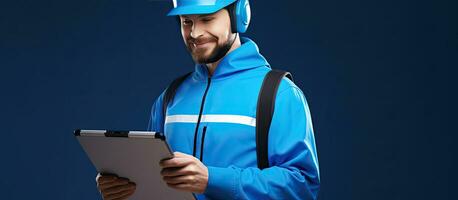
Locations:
(191, 7)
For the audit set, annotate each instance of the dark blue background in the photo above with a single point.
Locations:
(377, 75)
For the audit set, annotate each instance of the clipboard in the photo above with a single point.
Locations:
(134, 155)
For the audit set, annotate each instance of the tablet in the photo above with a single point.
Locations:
(134, 155)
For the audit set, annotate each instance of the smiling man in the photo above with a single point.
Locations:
(211, 121)
(208, 45)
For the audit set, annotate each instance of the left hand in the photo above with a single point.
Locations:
(185, 172)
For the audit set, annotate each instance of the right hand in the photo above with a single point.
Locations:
(113, 187)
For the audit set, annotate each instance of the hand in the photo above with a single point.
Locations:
(113, 187)
(185, 172)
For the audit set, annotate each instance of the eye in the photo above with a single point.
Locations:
(207, 19)
(187, 22)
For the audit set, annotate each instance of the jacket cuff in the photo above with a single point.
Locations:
(221, 183)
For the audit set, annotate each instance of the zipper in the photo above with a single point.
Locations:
(200, 112)
(202, 145)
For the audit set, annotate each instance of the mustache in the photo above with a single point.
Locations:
(200, 40)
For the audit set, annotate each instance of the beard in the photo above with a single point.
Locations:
(199, 55)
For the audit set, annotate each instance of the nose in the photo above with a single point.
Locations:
(196, 31)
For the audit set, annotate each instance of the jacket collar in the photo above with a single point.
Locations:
(243, 58)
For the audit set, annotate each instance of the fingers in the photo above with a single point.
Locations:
(119, 189)
(179, 154)
(178, 171)
(122, 194)
(176, 162)
(113, 187)
(127, 195)
(101, 179)
(117, 182)
(179, 179)
(181, 186)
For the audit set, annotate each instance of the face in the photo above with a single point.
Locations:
(207, 37)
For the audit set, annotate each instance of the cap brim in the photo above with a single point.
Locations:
(195, 10)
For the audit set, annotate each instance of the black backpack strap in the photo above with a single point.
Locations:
(170, 93)
(264, 113)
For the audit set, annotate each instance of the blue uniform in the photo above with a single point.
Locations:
(215, 118)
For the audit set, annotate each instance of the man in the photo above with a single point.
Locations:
(210, 122)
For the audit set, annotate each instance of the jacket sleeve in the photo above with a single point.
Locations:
(294, 172)
(156, 118)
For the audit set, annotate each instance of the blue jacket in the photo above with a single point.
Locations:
(224, 137)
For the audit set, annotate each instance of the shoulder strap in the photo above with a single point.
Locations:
(170, 93)
(264, 113)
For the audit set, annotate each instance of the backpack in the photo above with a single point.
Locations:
(264, 110)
